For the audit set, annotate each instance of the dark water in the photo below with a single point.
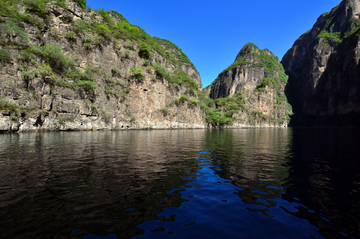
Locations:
(269, 183)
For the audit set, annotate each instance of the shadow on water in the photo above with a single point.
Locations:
(295, 183)
(324, 177)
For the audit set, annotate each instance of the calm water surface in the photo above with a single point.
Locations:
(249, 183)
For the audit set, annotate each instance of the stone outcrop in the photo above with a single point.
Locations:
(323, 68)
(258, 76)
(59, 75)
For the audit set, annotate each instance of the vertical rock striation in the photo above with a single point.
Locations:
(323, 68)
(258, 76)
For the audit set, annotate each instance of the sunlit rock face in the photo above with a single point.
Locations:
(323, 69)
(259, 77)
(46, 94)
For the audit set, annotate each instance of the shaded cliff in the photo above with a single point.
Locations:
(255, 82)
(323, 68)
(66, 68)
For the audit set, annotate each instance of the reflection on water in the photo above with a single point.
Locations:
(251, 183)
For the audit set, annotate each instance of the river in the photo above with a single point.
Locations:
(239, 183)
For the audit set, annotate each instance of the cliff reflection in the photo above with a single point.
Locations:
(291, 183)
(253, 159)
(324, 177)
(50, 182)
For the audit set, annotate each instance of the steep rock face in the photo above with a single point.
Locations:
(259, 78)
(246, 72)
(80, 71)
(323, 69)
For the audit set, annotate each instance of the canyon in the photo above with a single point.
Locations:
(64, 67)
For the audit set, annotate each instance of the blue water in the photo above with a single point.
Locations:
(250, 183)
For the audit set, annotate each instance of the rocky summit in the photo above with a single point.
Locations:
(258, 78)
(323, 68)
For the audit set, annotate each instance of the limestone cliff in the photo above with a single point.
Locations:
(66, 68)
(257, 80)
(323, 68)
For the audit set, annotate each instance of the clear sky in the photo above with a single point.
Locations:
(212, 32)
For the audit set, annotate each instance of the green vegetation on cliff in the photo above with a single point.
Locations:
(173, 49)
(327, 32)
(335, 36)
(265, 82)
(223, 111)
(175, 79)
(100, 29)
(94, 31)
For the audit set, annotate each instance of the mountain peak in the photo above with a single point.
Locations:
(247, 49)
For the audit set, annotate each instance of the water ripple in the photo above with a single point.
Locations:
(293, 183)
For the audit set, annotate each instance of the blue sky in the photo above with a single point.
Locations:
(212, 32)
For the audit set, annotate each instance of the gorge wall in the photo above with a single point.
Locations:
(66, 68)
(323, 68)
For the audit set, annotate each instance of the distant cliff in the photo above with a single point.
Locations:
(66, 68)
(323, 68)
(256, 81)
